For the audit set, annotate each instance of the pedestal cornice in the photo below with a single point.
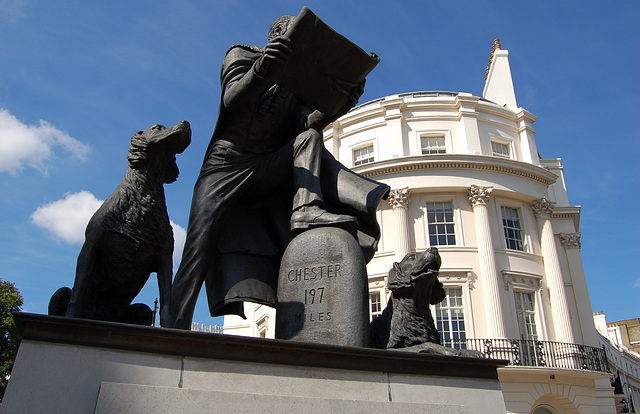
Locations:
(147, 339)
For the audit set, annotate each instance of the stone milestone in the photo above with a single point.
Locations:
(322, 290)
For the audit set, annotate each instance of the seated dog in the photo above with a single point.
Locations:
(407, 321)
(129, 237)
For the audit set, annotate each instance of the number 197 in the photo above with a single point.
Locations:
(311, 295)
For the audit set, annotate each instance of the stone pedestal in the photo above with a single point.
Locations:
(322, 290)
(79, 366)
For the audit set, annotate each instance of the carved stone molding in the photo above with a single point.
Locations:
(543, 208)
(399, 198)
(570, 240)
(479, 195)
(457, 162)
(456, 277)
(521, 280)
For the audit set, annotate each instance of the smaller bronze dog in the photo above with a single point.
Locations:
(407, 321)
(129, 237)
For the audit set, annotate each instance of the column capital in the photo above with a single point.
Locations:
(570, 240)
(543, 208)
(479, 195)
(399, 198)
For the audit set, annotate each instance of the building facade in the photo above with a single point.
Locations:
(466, 178)
(621, 341)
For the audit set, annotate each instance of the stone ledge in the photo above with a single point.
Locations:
(237, 348)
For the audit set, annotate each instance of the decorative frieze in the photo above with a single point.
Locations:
(479, 195)
(543, 208)
(399, 198)
(457, 162)
(570, 240)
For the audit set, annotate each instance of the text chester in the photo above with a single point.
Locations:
(314, 272)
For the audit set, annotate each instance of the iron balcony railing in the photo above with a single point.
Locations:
(533, 353)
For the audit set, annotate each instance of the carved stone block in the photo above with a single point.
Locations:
(322, 290)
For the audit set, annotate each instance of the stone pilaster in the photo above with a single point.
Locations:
(399, 202)
(489, 277)
(561, 317)
(572, 245)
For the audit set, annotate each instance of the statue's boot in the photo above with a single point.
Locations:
(308, 217)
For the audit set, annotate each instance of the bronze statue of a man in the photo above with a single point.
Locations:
(266, 175)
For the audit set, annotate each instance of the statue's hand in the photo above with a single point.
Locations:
(277, 50)
(353, 91)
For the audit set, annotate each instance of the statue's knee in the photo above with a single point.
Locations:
(309, 137)
(315, 135)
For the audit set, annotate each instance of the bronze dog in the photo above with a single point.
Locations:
(129, 236)
(407, 321)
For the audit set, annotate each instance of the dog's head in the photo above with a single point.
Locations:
(415, 264)
(159, 145)
(416, 272)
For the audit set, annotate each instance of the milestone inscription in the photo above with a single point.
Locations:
(322, 290)
(314, 272)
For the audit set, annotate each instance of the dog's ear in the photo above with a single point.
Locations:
(397, 279)
(438, 293)
(137, 155)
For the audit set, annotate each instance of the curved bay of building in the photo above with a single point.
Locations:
(435, 147)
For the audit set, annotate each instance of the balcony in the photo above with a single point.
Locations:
(532, 353)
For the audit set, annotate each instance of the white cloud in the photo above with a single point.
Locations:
(33, 145)
(179, 236)
(637, 283)
(67, 218)
(12, 10)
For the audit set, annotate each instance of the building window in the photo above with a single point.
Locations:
(450, 319)
(375, 305)
(441, 225)
(500, 149)
(512, 228)
(526, 317)
(433, 145)
(525, 313)
(363, 155)
(261, 326)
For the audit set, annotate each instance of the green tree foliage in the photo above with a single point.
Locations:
(10, 301)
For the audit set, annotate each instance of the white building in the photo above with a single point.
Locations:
(624, 359)
(466, 177)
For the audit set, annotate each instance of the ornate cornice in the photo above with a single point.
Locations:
(521, 280)
(399, 198)
(479, 195)
(543, 208)
(456, 277)
(458, 162)
(570, 240)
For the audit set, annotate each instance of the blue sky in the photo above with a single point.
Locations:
(78, 78)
